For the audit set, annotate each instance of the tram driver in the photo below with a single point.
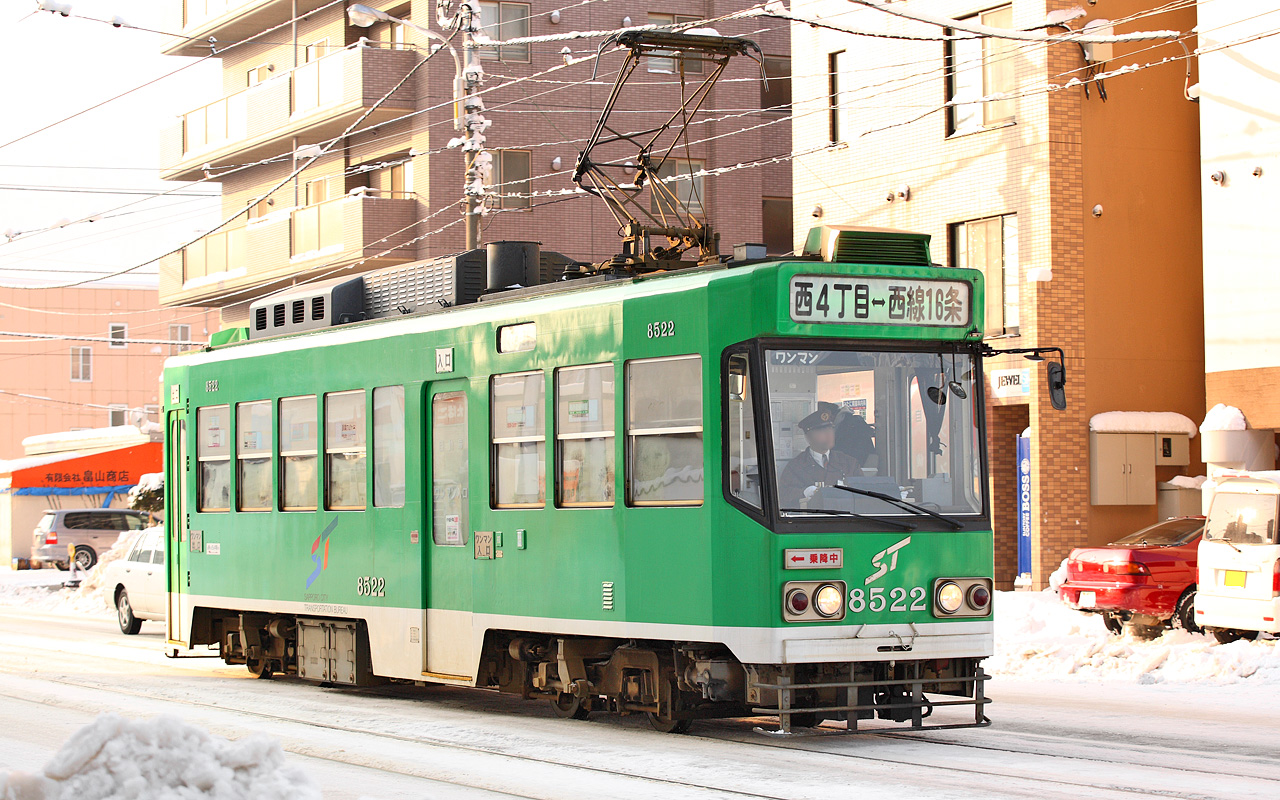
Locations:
(819, 464)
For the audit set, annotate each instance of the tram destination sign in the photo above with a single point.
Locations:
(881, 301)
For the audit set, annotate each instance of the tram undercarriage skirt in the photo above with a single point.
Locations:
(901, 700)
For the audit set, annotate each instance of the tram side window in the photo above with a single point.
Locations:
(388, 446)
(584, 435)
(664, 431)
(253, 456)
(213, 454)
(519, 440)
(344, 448)
(740, 438)
(299, 459)
(449, 474)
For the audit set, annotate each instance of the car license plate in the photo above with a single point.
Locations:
(1088, 599)
(1233, 578)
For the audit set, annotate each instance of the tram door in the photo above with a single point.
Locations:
(447, 560)
(176, 524)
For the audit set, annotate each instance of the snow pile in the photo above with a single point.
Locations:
(160, 758)
(1223, 418)
(1037, 637)
(94, 594)
(42, 589)
(1142, 422)
(1186, 482)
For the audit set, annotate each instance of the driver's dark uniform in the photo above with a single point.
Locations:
(803, 471)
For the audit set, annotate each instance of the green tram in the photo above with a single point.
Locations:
(757, 488)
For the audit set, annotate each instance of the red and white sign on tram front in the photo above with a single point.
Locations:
(829, 558)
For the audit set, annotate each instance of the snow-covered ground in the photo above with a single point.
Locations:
(1039, 638)
(1077, 713)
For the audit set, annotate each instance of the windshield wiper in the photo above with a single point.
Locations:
(899, 502)
(834, 512)
(1223, 539)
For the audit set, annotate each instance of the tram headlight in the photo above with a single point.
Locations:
(949, 597)
(828, 600)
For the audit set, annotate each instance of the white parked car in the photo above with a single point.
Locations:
(136, 582)
(1238, 592)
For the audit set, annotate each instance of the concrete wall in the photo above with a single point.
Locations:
(1240, 134)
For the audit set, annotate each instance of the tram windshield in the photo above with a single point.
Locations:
(898, 424)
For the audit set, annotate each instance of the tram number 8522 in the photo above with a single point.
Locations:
(897, 599)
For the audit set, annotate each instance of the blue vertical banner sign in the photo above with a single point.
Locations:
(1024, 507)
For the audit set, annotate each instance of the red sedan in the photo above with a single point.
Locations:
(1147, 580)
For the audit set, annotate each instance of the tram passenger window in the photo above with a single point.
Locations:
(519, 440)
(213, 453)
(344, 448)
(449, 474)
(664, 431)
(740, 438)
(388, 446)
(584, 435)
(253, 456)
(299, 461)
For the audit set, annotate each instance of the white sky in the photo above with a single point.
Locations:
(55, 66)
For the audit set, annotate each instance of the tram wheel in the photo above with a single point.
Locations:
(663, 724)
(569, 706)
(259, 667)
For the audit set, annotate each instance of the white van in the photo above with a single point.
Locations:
(1238, 587)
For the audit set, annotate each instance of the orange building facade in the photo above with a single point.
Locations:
(105, 373)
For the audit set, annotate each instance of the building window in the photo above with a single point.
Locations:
(259, 74)
(664, 432)
(389, 35)
(317, 191)
(668, 65)
(686, 192)
(509, 176)
(833, 95)
(117, 415)
(501, 22)
(152, 412)
(775, 217)
(980, 67)
(118, 333)
(991, 246)
(316, 50)
(82, 364)
(388, 447)
(179, 333)
(299, 467)
(344, 447)
(253, 456)
(519, 446)
(449, 474)
(584, 435)
(260, 209)
(775, 90)
(213, 454)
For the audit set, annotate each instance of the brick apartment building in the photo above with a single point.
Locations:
(1082, 211)
(54, 385)
(304, 80)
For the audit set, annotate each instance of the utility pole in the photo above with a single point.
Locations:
(468, 108)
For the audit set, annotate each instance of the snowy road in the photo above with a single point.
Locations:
(1050, 740)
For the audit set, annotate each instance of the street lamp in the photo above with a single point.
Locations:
(466, 106)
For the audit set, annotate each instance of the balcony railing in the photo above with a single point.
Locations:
(316, 228)
(289, 242)
(316, 99)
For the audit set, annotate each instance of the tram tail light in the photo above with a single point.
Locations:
(797, 601)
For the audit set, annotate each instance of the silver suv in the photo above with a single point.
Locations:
(84, 531)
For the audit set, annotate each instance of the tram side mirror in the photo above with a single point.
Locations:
(737, 377)
(1057, 385)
